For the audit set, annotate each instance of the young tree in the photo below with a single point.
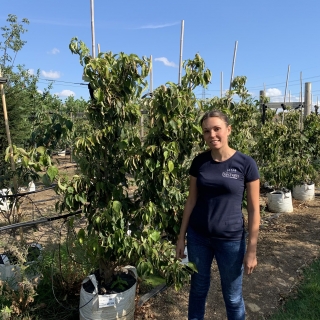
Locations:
(20, 86)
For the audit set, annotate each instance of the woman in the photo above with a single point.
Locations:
(213, 219)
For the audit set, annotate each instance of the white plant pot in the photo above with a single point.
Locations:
(279, 201)
(304, 192)
(5, 202)
(94, 306)
(9, 273)
(31, 186)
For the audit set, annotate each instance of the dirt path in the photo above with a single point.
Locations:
(287, 243)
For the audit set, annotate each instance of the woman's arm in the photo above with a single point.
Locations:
(190, 203)
(253, 193)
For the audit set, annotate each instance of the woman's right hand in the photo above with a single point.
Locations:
(180, 249)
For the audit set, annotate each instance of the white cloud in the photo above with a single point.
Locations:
(274, 94)
(31, 72)
(293, 99)
(65, 93)
(40, 91)
(54, 51)
(51, 74)
(158, 26)
(166, 62)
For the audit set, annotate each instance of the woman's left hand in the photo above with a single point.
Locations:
(249, 262)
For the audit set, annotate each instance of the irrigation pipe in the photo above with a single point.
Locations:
(42, 220)
(25, 193)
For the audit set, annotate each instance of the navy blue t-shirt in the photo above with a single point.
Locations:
(221, 186)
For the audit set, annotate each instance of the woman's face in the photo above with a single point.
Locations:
(215, 133)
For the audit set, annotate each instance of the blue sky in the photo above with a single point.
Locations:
(271, 35)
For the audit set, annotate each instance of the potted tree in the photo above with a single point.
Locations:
(284, 159)
(305, 188)
(118, 231)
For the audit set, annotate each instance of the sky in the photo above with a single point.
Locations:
(272, 37)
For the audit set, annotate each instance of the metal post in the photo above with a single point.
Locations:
(181, 49)
(285, 93)
(233, 63)
(307, 98)
(151, 75)
(302, 104)
(92, 30)
(221, 84)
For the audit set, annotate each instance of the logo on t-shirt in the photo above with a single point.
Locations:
(231, 173)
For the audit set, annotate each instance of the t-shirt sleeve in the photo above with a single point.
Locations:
(252, 171)
(194, 169)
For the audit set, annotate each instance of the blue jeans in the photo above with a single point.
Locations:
(229, 256)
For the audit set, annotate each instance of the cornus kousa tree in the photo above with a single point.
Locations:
(123, 228)
(164, 158)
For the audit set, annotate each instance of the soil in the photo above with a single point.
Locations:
(288, 242)
(123, 281)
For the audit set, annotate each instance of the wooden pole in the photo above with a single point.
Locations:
(233, 63)
(92, 29)
(262, 96)
(181, 50)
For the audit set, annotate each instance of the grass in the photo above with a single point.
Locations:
(149, 282)
(305, 305)
(154, 280)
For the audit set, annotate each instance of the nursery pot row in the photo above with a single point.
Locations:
(280, 201)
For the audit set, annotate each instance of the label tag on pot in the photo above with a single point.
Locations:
(108, 300)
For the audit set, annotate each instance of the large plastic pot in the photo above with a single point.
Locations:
(279, 201)
(94, 306)
(304, 192)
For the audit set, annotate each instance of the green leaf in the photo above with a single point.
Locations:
(116, 205)
(98, 94)
(69, 124)
(81, 235)
(25, 161)
(155, 236)
(41, 150)
(170, 166)
(52, 172)
(70, 189)
(62, 187)
(46, 180)
(192, 266)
